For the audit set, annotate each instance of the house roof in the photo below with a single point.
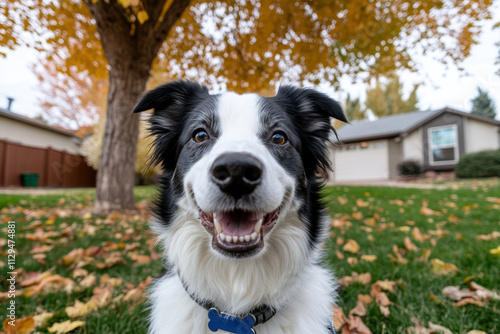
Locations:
(35, 122)
(397, 125)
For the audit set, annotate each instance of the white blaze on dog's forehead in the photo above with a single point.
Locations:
(239, 115)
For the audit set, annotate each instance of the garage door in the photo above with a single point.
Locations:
(362, 161)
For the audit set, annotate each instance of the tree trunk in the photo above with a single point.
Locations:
(116, 176)
(130, 53)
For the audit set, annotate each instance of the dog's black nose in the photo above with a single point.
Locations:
(236, 174)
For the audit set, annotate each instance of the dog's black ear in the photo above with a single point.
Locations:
(312, 101)
(172, 103)
(170, 94)
(311, 112)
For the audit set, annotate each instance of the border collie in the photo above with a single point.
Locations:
(239, 214)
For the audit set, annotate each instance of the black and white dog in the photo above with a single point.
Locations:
(240, 215)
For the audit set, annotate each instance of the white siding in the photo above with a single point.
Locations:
(413, 146)
(371, 163)
(25, 134)
(480, 136)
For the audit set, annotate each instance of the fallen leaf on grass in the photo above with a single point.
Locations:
(487, 237)
(361, 203)
(339, 318)
(493, 199)
(357, 215)
(359, 309)
(410, 246)
(65, 327)
(427, 211)
(364, 279)
(80, 309)
(426, 253)
(355, 325)
(441, 268)
(32, 278)
(112, 260)
(342, 200)
(387, 285)
(42, 318)
(88, 281)
(495, 251)
(21, 326)
(419, 328)
(476, 332)
(351, 246)
(482, 292)
(381, 299)
(369, 258)
(139, 259)
(51, 283)
(467, 301)
(73, 256)
(352, 261)
(80, 272)
(139, 292)
(455, 293)
(418, 235)
(102, 295)
(399, 257)
(340, 256)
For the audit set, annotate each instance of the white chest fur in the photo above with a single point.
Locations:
(174, 312)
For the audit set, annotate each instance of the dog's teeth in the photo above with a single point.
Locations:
(218, 226)
(258, 225)
(235, 239)
(222, 236)
(247, 238)
(253, 236)
(242, 239)
(229, 238)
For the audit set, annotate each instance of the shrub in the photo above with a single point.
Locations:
(409, 167)
(479, 164)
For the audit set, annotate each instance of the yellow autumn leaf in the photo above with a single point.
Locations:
(351, 246)
(142, 16)
(21, 326)
(495, 251)
(361, 203)
(80, 309)
(42, 318)
(441, 268)
(124, 3)
(368, 258)
(65, 327)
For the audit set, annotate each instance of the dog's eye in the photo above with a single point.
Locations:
(279, 138)
(200, 136)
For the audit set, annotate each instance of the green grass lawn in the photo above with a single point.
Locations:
(376, 218)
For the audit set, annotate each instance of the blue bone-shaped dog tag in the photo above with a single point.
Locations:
(230, 323)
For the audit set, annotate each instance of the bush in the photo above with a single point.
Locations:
(409, 167)
(479, 164)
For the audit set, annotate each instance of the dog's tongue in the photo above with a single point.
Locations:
(239, 223)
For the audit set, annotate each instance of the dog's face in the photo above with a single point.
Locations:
(240, 161)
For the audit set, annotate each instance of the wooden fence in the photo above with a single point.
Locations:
(56, 168)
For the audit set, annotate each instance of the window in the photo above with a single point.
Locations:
(443, 145)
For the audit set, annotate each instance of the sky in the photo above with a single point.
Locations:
(439, 86)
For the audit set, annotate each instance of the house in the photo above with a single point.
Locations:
(371, 150)
(31, 146)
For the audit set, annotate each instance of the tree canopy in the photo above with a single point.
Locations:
(483, 104)
(387, 99)
(252, 45)
(236, 44)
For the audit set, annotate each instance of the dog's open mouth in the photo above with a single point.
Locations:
(238, 231)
